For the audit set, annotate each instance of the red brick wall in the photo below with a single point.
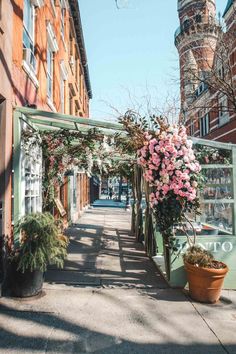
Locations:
(26, 91)
(226, 132)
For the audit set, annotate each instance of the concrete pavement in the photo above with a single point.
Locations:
(110, 299)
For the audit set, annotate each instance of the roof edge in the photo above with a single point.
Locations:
(75, 11)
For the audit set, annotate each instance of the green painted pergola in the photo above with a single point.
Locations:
(39, 120)
(44, 121)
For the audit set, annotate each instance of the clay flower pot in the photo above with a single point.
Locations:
(205, 283)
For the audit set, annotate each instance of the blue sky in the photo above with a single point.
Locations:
(131, 53)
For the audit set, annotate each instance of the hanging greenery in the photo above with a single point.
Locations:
(64, 150)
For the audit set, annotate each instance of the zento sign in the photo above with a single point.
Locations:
(213, 246)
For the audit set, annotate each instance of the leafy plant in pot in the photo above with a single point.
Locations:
(41, 243)
(205, 275)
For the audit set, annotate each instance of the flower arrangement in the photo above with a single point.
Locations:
(171, 168)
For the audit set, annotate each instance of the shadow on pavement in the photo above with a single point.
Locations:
(57, 335)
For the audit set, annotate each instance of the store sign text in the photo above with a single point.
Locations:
(214, 247)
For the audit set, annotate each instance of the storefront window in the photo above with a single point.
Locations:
(32, 181)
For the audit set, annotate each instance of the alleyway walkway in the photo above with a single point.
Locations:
(102, 253)
(110, 299)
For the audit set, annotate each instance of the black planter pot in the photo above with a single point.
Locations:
(19, 284)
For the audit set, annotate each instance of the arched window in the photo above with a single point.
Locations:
(198, 18)
(186, 24)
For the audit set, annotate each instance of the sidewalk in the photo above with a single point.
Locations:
(110, 299)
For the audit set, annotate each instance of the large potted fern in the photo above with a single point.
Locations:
(41, 243)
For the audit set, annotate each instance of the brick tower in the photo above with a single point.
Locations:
(195, 40)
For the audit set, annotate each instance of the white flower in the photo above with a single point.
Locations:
(165, 179)
(214, 156)
(178, 164)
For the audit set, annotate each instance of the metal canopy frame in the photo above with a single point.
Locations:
(45, 120)
(39, 120)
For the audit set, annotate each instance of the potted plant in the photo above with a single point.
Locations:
(41, 243)
(205, 275)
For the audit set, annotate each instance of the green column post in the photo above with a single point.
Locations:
(16, 169)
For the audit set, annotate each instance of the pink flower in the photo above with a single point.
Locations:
(165, 189)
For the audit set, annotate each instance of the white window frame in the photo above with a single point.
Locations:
(192, 130)
(62, 18)
(28, 55)
(52, 47)
(50, 70)
(53, 7)
(63, 22)
(31, 180)
(223, 112)
(205, 124)
(63, 79)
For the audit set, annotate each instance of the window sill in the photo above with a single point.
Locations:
(51, 105)
(31, 73)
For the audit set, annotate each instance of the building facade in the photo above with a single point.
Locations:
(43, 65)
(207, 56)
(6, 82)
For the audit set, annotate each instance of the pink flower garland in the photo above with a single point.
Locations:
(169, 164)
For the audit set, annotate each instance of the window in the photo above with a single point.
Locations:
(28, 34)
(221, 72)
(62, 90)
(50, 73)
(63, 78)
(31, 177)
(192, 128)
(198, 18)
(76, 68)
(204, 125)
(53, 4)
(76, 108)
(52, 47)
(32, 186)
(63, 10)
(71, 44)
(81, 81)
(71, 102)
(223, 110)
(223, 106)
(186, 24)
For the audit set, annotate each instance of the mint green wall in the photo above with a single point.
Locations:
(223, 249)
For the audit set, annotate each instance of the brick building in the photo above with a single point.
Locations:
(6, 83)
(43, 65)
(207, 55)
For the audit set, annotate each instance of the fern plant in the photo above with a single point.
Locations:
(41, 243)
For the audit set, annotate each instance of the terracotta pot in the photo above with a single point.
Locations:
(205, 283)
